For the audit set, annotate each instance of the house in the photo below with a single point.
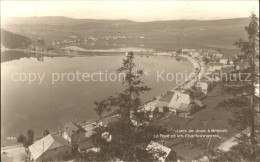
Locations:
(206, 78)
(107, 136)
(223, 61)
(185, 51)
(193, 50)
(159, 151)
(181, 102)
(87, 145)
(242, 65)
(150, 106)
(50, 148)
(40, 46)
(217, 56)
(199, 103)
(90, 129)
(73, 133)
(227, 69)
(202, 86)
(163, 54)
(165, 100)
(149, 109)
(196, 55)
(214, 54)
(257, 90)
(210, 53)
(214, 66)
(104, 122)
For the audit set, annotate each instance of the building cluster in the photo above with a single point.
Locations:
(182, 101)
(40, 46)
(83, 41)
(185, 99)
(60, 146)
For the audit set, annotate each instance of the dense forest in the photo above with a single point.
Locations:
(12, 41)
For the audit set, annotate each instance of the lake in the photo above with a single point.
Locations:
(51, 106)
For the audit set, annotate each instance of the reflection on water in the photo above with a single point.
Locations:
(17, 55)
(48, 106)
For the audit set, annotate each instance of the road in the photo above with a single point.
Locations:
(14, 153)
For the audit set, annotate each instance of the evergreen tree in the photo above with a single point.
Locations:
(46, 132)
(244, 101)
(129, 140)
(30, 137)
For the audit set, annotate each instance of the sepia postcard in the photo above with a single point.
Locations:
(126, 81)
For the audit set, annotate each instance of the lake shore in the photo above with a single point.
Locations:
(76, 50)
(195, 65)
(16, 150)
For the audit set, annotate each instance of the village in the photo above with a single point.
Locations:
(188, 105)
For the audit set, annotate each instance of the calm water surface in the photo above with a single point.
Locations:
(48, 106)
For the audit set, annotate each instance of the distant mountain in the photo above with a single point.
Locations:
(159, 35)
(12, 41)
(60, 20)
(56, 20)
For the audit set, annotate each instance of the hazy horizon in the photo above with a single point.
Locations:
(139, 11)
(122, 18)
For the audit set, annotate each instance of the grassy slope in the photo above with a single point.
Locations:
(210, 117)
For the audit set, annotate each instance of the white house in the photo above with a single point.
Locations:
(90, 129)
(50, 148)
(217, 56)
(181, 102)
(185, 50)
(107, 136)
(214, 66)
(223, 61)
(203, 86)
(150, 106)
(257, 90)
(196, 55)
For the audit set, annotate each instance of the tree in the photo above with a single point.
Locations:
(30, 137)
(46, 132)
(129, 141)
(23, 140)
(179, 51)
(206, 60)
(243, 106)
(26, 141)
(129, 100)
(250, 48)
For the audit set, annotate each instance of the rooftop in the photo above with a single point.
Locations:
(167, 97)
(215, 64)
(156, 149)
(72, 128)
(180, 101)
(46, 143)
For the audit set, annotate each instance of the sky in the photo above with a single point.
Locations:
(132, 10)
